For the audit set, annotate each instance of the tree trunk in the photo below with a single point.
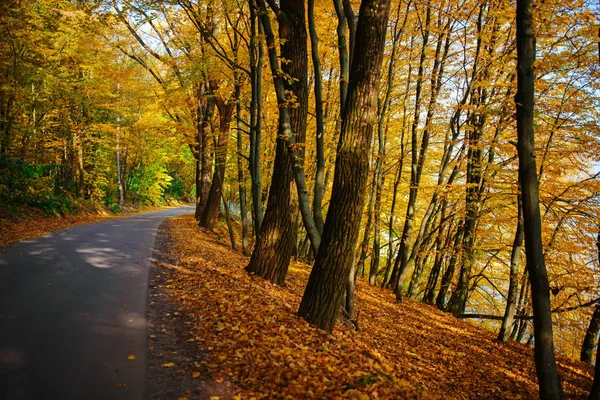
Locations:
(417, 162)
(513, 287)
(440, 300)
(591, 336)
(204, 114)
(320, 131)
(256, 66)
(440, 244)
(406, 257)
(595, 390)
(210, 214)
(119, 177)
(327, 282)
(273, 250)
(548, 379)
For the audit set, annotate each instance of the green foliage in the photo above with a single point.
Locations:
(24, 184)
(148, 184)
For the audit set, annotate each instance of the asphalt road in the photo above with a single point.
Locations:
(73, 309)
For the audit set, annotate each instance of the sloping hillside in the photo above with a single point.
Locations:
(243, 334)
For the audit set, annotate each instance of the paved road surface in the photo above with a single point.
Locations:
(73, 308)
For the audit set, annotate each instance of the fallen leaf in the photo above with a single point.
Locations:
(195, 374)
(168, 365)
(131, 357)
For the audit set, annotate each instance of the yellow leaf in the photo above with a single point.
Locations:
(131, 357)
(168, 365)
(214, 397)
(195, 374)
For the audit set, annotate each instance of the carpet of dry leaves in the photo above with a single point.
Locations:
(249, 334)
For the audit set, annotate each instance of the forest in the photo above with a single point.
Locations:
(384, 142)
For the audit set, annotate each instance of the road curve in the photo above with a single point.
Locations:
(73, 311)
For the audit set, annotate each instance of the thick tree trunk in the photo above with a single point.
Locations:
(327, 282)
(273, 250)
(548, 379)
(591, 336)
(595, 390)
(210, 214)
(204, 114)
(513, 286)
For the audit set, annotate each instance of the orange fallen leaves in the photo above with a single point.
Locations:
(247, 330)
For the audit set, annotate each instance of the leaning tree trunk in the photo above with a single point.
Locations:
(548, 379)
(327, 282)
(513, 286)
(275, 244)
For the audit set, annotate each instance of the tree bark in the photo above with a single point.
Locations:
(256, 66)
(273, 250)
(591, 336)
(548, 379)
(513, 287)
(417, 162)
(320, 131)
(440, 300)
(210, 214)
(591, 340)
(326, 285)
(595, 391)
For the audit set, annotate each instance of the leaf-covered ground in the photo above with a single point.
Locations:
(246, 333)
